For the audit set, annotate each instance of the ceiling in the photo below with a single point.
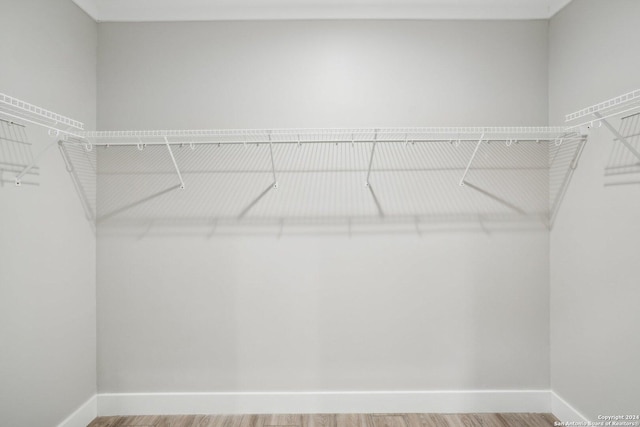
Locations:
(206, 10)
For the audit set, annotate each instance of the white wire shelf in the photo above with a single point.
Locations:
(302, 136)
(410, 186)
(371, 140)
(510, 177)
(627, 103)
(24, 111)
(609, 108)
(19, 112)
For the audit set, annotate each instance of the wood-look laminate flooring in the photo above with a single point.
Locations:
(331, 420)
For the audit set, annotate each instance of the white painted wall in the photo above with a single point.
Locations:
(595, 319)
(322, 74)
(446, 311)
(47, 267)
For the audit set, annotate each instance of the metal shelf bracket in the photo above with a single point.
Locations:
(473, 156)
(373, 151)
(18, 178)
(175, 164)
(273, 164)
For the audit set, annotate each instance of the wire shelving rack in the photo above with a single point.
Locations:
(475, 154)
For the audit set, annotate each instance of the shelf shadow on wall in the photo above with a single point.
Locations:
(623, 166)
(322, 188)
(15, 154)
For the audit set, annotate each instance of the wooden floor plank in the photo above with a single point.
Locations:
(491, 420)
(432, 420)
(242, 421)
(214, 421)
(353, 420)
(179, 421)
(319, 420)
(137, 421)
(389, 420)
(281, 420)
(101, 422)
(461, 420)
(331, 420)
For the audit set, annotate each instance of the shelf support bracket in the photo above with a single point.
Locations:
(76, 181)
(373, 151)
(18, 178)
(175, 164)
(367, 184)
(473, 156)
(273, 164)
(617, 134)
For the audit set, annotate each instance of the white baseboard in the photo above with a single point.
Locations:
(563, 411)
(82, 416)
(324, 402)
